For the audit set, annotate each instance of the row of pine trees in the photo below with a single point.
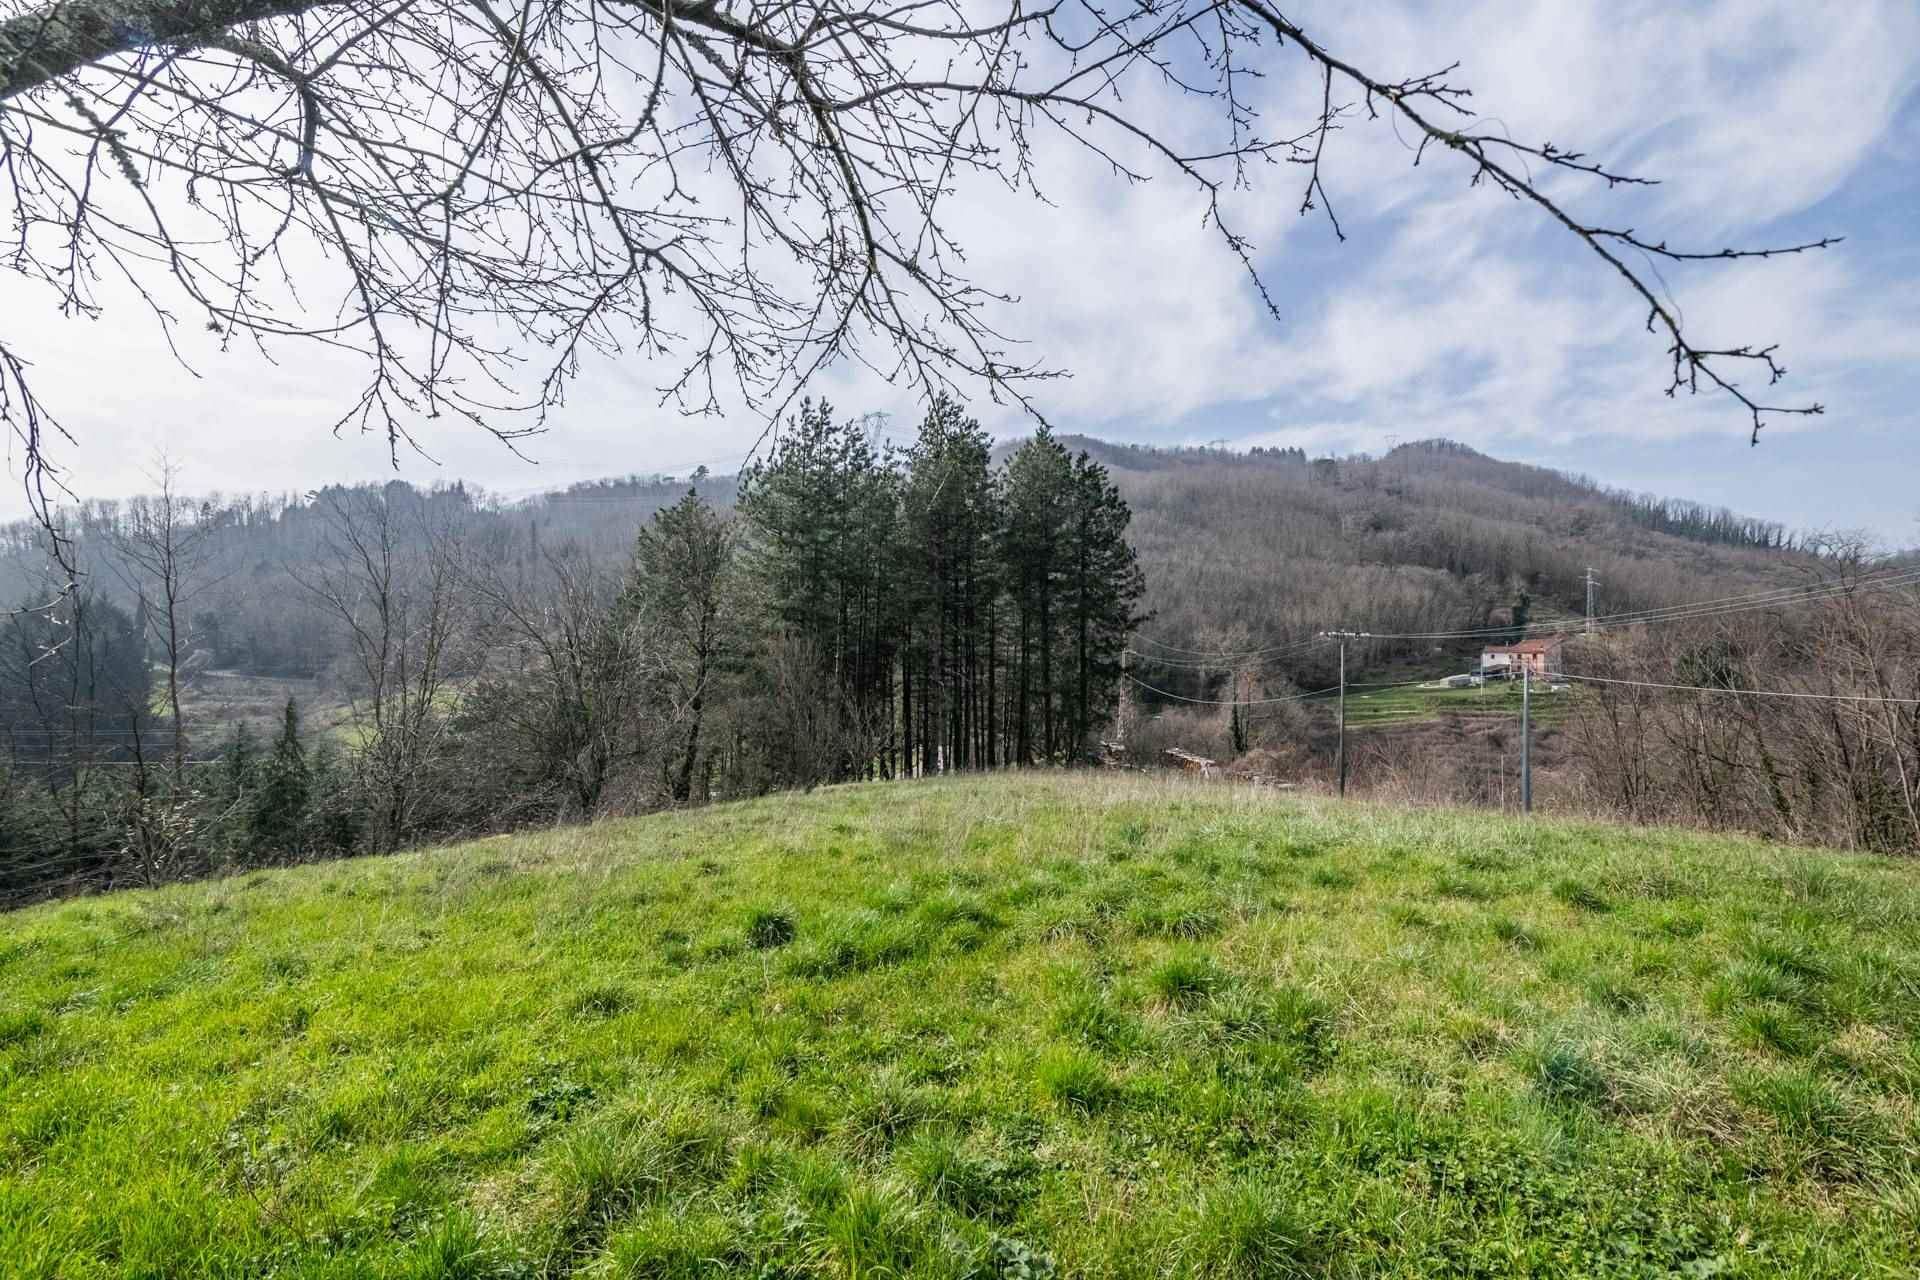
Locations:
(970, 616)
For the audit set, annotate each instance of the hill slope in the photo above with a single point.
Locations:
(981, 1027)
(1249, 550)
(1239, 549)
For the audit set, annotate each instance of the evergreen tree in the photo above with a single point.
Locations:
(948, 530)
(1038, 484)
(283, 791)
(1102, 590)
(820, 513)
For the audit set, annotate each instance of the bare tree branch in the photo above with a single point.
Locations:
(472, 199)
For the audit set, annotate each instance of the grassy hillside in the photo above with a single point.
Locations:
(1013, 1026)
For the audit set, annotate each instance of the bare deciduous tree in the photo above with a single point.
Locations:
(679, 591)
(392, 580)
(575, 669)
(159, 554)
(738, 192)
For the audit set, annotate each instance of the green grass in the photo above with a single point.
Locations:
(1006, 1027)
(1372, 708)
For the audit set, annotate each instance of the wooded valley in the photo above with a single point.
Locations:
(248, 679)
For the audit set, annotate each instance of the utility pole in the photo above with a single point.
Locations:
(1592, 582)
(1340, 753)
(1526, 736)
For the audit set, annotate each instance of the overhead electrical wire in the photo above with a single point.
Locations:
(1749, 602)
(1243, 655)
(1260, 702)
(1227, 702)
(1758, 693)
(1219, 662)
(1745, 602)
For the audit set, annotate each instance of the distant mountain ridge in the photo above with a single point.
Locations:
(1241, 549)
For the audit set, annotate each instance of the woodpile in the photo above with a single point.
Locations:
(1192, 763)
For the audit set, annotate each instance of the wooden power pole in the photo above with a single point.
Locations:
(1526, 736)
(1340, 751)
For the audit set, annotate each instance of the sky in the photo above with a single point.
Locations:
(1447, 311)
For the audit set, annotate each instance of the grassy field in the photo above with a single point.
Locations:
(1370, 708)
(1015, 1027)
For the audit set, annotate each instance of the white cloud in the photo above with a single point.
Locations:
(1449, 311)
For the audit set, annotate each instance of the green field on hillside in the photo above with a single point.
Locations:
(1371, 708)
(1011, 1026)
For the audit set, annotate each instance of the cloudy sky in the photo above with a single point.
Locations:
(1447, 311)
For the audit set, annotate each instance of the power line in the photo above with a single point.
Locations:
(1772, 598)
(1220, 657)
(1258, 702)
(1759, 693)
(1230, 702)
(1221, 662)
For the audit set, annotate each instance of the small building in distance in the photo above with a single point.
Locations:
(1537, 657)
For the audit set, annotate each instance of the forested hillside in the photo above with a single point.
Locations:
(236, 680)
(1238, 549)
(1246, 551)
(247, 552)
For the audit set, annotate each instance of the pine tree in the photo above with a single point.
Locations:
(820, 513)
(1102, 590)
(948, 528)
(1038, 480)
(283, 789)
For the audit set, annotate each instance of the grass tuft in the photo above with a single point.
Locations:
(1189, 917)
(600, 1001)
(451, 1249)
(1249, 1228)
(1824, 1132)
(1092, 1019)
(614, 1164)
(940, 1163)
(1186, 978)
(1580, 895)
(768, 929)
(1565, 1072)
(1514, 934)
(1075, 1079)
